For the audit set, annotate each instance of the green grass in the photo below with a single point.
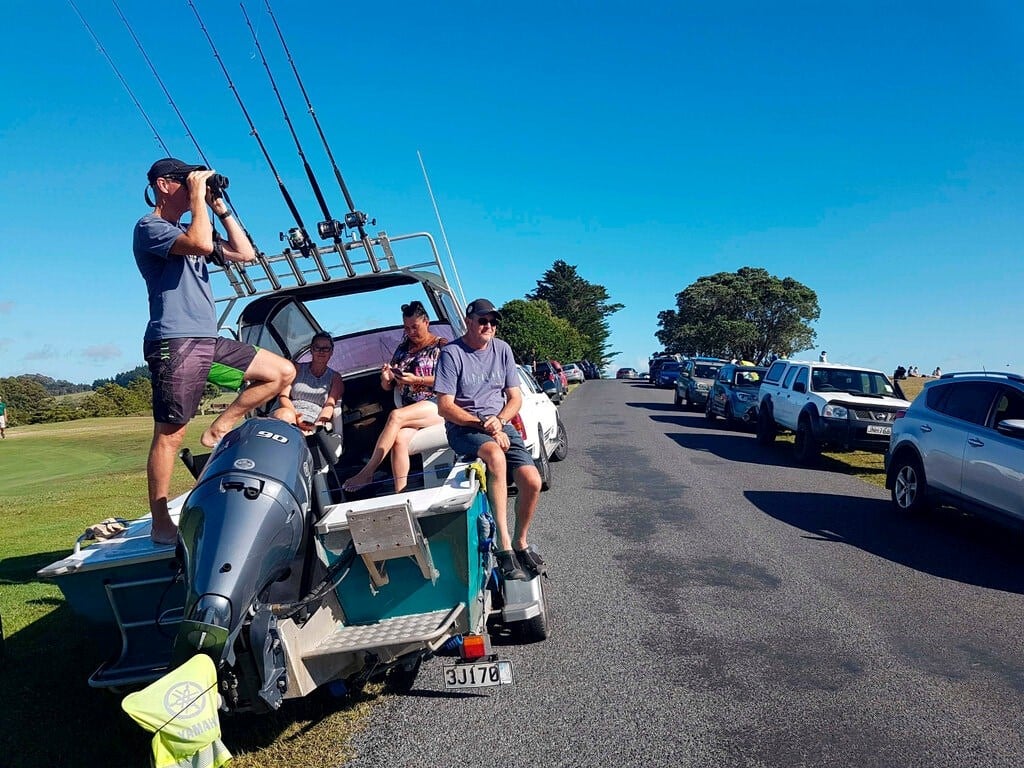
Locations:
(56, 480)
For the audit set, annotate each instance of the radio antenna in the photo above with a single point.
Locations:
(353, 219)
(99, 45)
(444, 235)
(298, 238)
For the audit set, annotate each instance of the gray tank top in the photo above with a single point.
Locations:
(309, 392)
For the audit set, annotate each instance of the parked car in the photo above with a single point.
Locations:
(573, 373)
(827, 406)
(590, 370)
(548, 373)
(668, 372)
(654, 367)
(696, 376)
(733, 395)
(626, 373)
(961, 442)
(539, 424)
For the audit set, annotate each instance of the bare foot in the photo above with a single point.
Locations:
(164, 534)
(357, 482)
(210, 439)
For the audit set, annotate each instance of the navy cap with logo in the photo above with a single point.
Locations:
(479, 307)
(169, 167)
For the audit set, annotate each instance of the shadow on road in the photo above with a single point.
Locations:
(733, 446)
(944, 543)
(654, 406)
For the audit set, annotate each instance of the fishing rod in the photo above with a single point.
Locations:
(354, 219)
(250, 288)
(99, 45)
(330, 227)
(297, 238)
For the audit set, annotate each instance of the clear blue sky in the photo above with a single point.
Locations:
(872, 151)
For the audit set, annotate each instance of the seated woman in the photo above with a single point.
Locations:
(412, 370)
(310, 400)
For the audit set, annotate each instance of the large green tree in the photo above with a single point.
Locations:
(747, 314)
(585, 305)
(534, 333)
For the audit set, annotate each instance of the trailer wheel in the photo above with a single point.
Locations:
(538, 628)
(401, 678)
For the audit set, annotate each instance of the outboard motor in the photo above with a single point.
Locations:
(240, 529)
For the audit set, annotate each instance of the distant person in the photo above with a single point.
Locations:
(478, 394)
(937, 372)
(309, 401)
(411, 369)
(823, 357)
(3, 420)
(181, 344)
(900, 373)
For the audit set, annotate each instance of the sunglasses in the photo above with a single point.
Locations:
(491, 321)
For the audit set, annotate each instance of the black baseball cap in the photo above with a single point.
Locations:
(171, 166)
(481, 307)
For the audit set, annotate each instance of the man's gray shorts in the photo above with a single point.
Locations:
(467, 441)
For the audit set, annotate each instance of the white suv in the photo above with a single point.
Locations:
(961, 442)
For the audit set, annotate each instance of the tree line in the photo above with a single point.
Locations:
(565, 318)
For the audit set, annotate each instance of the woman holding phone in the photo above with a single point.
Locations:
(411, 369)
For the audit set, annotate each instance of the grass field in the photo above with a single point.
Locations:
(56, 480)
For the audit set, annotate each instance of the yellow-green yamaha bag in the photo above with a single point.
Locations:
(181, 709)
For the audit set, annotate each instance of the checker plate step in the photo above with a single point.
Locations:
(420, 627)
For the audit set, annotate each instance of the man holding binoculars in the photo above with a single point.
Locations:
(181, 344)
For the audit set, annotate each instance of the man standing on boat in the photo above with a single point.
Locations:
(181, 345)
(478, 394)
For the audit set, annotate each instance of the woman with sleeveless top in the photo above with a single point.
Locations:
(310, 400)
(411, 370)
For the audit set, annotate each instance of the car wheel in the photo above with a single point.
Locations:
(765, 427)
(709, 412)
(909, 489)
(806, 447)
(562, 449)
(541, 462)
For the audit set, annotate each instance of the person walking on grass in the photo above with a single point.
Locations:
(3, 419)
(478, 394)
(181, 345)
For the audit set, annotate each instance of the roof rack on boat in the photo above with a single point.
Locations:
(330, 264)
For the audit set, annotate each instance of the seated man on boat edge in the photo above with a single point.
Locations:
(478, 394)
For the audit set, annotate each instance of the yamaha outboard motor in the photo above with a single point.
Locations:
(240, 528)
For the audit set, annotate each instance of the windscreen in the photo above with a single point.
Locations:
(850, 381)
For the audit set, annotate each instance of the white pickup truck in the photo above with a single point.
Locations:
(827, 406)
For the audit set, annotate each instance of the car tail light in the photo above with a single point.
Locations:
(898, 415)
(517, 422)
(474, 647)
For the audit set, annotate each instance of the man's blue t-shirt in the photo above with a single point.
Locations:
(477, 378)
(180, 299)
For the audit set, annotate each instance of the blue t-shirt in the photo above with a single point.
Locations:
(477, 378)
(180, 299)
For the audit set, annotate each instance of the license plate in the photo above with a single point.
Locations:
(478, 674)
(875, 429)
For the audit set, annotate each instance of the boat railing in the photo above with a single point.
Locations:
(295, 268)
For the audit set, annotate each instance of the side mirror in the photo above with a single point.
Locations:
(1011, 427)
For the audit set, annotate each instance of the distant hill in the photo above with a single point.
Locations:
(55, 386)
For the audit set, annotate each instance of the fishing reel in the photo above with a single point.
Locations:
(330, 230)
(296, 238)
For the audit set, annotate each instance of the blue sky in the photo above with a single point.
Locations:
(872, 152)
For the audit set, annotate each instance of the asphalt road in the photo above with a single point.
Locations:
(716, 605)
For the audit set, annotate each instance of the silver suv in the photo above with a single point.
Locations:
(961, 442)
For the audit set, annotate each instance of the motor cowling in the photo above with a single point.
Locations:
(240, 528)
